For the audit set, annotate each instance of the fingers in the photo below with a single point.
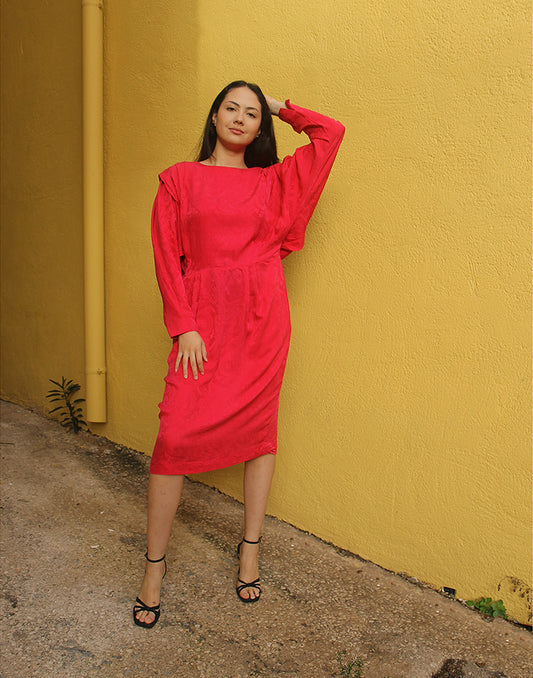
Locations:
(274, 105)
(185, 359)
(194, 366)
(178, 360)
(192, 359)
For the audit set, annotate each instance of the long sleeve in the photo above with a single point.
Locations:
(166, 241)
(300, 178)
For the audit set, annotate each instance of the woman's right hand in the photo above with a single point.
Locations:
(191, 351)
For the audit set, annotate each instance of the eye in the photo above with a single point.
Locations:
(252, 115)
(230, 108)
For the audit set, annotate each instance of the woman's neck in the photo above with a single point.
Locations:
(225, 157)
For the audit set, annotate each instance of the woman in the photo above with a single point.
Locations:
(220, 228)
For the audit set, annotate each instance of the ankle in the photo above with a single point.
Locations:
(155, 568)
(253, 541)
(155, 560)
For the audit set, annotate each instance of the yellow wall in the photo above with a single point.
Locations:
(405, 413)
(41, 208)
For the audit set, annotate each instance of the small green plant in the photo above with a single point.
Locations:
(494, 608)
(69, 409)
(351, 669)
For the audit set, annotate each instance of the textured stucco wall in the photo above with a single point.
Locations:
(405, 413)
(404, 419)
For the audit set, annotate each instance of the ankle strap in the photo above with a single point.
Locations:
(247, 541)
(154, 561)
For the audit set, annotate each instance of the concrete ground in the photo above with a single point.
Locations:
(73, 521)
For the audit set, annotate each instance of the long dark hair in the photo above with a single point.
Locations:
(262, 152)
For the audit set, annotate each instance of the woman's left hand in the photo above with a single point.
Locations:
(274, 105)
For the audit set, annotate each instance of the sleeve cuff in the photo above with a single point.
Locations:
(178, 328)
(293, 116)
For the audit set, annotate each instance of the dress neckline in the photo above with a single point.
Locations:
(240, 169)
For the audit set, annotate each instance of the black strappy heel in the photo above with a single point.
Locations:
(143, 607)
(250, 584)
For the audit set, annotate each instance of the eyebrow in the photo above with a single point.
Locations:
(247, 107)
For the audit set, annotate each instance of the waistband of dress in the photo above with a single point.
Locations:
(272, 259)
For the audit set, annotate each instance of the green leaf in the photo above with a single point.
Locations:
(68, 408)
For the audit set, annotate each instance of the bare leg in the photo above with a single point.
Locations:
(258, 475)
(164, 494)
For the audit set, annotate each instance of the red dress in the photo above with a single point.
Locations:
(219, 235)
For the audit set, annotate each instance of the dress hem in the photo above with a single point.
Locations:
(191, 469)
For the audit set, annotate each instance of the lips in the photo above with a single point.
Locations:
(236, 131)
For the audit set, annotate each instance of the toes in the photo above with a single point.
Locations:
(250, 593)
(145, 617)
(244, 594)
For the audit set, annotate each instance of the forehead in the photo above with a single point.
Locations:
(244, 97)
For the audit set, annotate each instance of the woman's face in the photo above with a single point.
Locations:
(238, 120)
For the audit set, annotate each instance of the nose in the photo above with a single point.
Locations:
(238, 117)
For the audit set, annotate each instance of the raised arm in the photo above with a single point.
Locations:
(300, 178)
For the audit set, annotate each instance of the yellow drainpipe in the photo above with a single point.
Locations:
(93, 209)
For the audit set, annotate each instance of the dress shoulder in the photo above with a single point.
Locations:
(170, 177)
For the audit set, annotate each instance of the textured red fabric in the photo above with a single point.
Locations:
(219, 234)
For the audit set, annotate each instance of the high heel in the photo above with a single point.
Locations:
(242, 585)
(143, 607)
